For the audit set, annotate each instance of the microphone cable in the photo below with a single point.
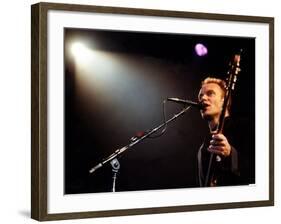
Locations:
(164, 121)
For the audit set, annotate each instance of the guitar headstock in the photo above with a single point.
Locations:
(234, 70)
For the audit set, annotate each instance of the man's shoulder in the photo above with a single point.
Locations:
(240, 126)
(240, 121)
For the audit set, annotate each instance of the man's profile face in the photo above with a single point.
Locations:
(211, 96)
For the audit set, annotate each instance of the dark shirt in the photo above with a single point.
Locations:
(239, 167)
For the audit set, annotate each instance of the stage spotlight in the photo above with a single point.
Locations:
(80, 52)
(201, 49)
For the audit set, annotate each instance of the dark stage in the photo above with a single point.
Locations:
(114, 86)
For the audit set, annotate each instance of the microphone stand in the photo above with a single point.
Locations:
(115, 168)
(134, 140)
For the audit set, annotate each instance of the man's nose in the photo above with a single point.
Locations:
(204, 97)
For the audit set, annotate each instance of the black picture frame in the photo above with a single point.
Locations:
(39, 109)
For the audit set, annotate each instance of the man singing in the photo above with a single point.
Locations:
(233, 151)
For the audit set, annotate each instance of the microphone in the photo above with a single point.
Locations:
(186, 102)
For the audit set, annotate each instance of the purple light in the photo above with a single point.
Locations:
(201, 50)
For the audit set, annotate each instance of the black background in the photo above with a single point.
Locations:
(169, 67)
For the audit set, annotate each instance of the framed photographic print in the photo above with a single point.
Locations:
(138, 111)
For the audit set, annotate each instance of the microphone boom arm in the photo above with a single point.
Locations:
(138, 140)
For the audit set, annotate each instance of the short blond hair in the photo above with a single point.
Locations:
(221, 83)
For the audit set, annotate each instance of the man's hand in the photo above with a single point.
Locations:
(219, 145)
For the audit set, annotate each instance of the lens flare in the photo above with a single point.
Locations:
(201, 50)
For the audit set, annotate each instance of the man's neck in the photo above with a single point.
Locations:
(213, 124)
